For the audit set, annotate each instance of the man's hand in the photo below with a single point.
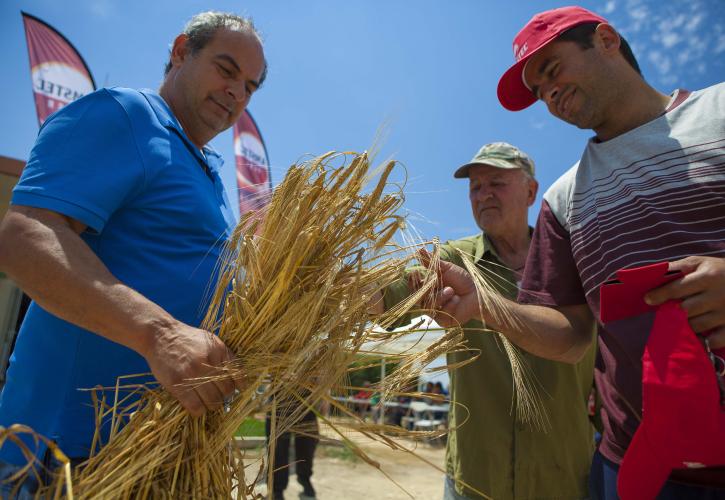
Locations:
(182, 353)
(455, 298)
(702, 291)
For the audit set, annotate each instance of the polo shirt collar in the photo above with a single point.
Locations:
(486, 247)
(167, 118)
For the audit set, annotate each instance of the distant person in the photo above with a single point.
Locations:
(438, 389)
(488, 449)
(428, 389)
(363, 397)
(305, 434)
(649, 187)
(402, 404)
(433, 389)
(115, 229)
(366, 392)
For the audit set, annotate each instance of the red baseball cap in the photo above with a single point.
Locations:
(683, 421)
(542, 29)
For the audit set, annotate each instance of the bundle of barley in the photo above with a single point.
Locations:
(292, 304)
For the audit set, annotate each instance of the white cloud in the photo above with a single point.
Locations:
(684, 56)
(694, 22)
(537, 124)
(662, 62)
(671, 39)
(672, 23)
(609, 7)
(719, 44)
(698, 44)
(639, 13)
(675, 38)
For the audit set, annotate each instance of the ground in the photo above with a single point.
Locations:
(340, 475)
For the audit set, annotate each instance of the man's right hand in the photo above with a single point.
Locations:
(181, 353)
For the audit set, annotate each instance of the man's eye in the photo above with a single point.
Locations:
(224, 71)
(554, 70)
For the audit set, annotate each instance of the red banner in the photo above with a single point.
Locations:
(254, 182)
(60, 75)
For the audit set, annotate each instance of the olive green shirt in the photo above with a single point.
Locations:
(493, 452)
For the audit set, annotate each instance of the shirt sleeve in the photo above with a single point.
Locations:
(85, 163)
(551, 277)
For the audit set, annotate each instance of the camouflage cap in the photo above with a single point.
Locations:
(501, 155)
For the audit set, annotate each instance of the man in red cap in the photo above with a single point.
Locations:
(650, 187)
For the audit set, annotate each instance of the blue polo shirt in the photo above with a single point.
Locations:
(118, 161)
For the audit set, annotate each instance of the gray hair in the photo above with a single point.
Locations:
(201, 29)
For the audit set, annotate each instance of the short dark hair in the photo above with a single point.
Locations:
(201, 29)
(582, 35)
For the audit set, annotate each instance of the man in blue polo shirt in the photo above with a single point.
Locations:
(114, 230)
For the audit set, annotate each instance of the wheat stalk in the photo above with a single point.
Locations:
(291, 303)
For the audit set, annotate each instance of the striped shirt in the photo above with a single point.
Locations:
(655, 193)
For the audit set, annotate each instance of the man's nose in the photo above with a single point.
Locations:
(549, 94)
(237, 91)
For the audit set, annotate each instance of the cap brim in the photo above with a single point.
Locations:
(512, 93)
(643, 470)
(462, 171)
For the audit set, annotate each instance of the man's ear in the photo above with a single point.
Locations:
(179, 50)
(606, 38)
(533, 189)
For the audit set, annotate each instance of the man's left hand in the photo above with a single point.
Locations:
(702, 291)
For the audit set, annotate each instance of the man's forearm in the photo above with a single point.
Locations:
(55, 267)
(42, 252)
(562, 334)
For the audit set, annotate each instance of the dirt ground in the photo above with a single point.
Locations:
(340, 475)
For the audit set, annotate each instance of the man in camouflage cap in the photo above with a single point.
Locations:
(490, 452)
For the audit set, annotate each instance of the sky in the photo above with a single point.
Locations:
(421, 75)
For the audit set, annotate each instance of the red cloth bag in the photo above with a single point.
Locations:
(683, 420)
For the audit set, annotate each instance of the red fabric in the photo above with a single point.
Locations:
(624, 297)
(363, 395)
(683, 423)
(542, 29)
